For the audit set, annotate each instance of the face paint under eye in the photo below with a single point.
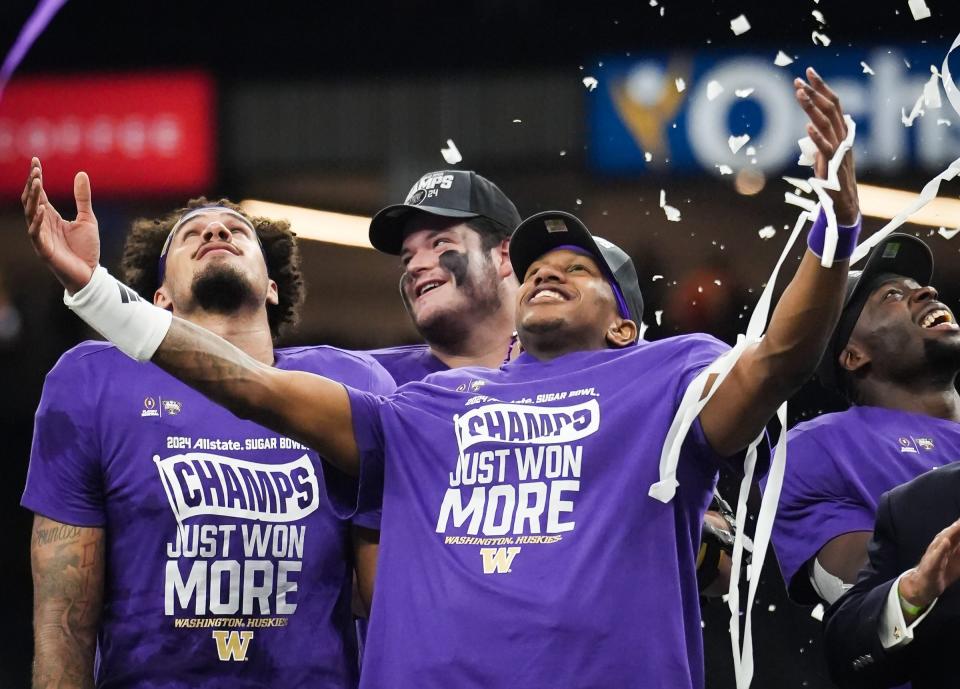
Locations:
(455, 263)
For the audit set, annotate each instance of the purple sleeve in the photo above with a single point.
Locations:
(816, 505)
(351, 496)
(64, 480)
(368, 515)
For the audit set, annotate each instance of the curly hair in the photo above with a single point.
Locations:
(141, 258)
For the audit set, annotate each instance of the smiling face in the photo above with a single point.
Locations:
(566, 304)
(215, 263)
(903, 333)
(450, 281)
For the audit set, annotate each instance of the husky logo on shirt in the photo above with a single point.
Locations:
(516, 477)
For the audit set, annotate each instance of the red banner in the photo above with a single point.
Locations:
(134, 134)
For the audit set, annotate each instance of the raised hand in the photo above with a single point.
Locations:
(71, 249)
(939, 568)
(827, 130)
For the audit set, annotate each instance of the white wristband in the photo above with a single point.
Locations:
(115, 311)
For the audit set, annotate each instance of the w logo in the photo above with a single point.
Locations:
(498, 560)
(232, 645)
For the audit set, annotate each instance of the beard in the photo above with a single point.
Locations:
(222, 289)
(942, 355)
(448, 328)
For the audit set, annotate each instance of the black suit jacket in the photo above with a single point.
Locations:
(908, 518)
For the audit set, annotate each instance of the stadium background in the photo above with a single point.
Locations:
(340, 107)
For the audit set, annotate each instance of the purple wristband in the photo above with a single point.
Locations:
(846, 237)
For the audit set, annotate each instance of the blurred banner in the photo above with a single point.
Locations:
(135, 134)
(677, 113)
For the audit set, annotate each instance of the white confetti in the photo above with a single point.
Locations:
(658, 315)
(931, 91)
(801, 184)
(451, 154)
(681, 84)
(724, 169)
(919, 9)
(820, 38)
(751, 151)
(736, 142)
(808, 151)
(648, 156)
(915, 112)
(714, 89)
(590, 83)
(941, 120)
(657, 277)
(673, 215)
(947, 234)
(867, 69)
(717, 283)
(767, 232)
(794, 200)
(742, 93)
(771, 608)
(817, 613)
(782, 59)
(661, 10)
(818, 15)
(739, 25)
(517, 121)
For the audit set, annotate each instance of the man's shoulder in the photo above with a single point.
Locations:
(308, 357)
(399, 351)
(692, 344)
(90, 354)
(825, 424)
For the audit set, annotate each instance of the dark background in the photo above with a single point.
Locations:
(268, 54)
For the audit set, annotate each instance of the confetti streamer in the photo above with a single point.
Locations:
(42, 15)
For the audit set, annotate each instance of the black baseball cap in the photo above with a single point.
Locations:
(448, 194)
(551, 230)
(898, 255)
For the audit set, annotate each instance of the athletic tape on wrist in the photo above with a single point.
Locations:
(847, 236)
(116, 312)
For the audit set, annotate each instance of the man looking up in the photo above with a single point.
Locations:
(180, 545)
(895, 356)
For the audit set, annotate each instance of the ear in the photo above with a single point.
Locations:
(502, 256)
(853, 357)
(273, 294)
(621, 333)
(162, 299)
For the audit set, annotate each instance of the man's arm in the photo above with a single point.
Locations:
(68, 566)
(844, 556)
(861, 648)
(309, 408)
(772, 370)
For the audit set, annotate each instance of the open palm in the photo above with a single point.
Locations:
(70, 248)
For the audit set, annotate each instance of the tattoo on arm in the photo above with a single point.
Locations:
(68, 580)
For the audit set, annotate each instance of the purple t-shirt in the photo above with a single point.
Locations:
(408, 363)
(838, 467)
(519, 545)
(225, 565)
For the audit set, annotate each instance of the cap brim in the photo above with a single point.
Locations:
(386, 228)
(534, 237)
(899, 254)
